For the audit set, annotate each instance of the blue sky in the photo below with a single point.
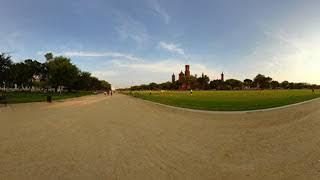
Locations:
(141, 41)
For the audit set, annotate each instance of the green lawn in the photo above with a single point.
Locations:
(227, 100)
(23, 97)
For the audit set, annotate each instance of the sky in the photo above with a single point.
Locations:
(141, 41)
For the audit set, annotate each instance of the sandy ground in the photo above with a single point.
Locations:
(120, 137)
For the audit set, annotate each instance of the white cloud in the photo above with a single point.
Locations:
(12, 43)
(159, 10)
(93, 54)
(129, 28)
(123, 73)
(123, 70)
(173, 48)
(284, 56)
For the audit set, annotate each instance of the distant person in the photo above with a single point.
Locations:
(313, 90)
(111, 93)
(108, 92)
(191, 92)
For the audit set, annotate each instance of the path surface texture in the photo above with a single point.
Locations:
(120, 137)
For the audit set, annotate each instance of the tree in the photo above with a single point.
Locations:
(83, 81)
(165, 85)
(153, 86)
(33, 71)
(5, 65)
(61, 72)
(234, 83)
(284, 85)
(275, 84)
(217, 84)
(48, 56)
(248, 83)
(105, 85)
(262, 81)
(203, 82)
(95, 84)
(19, 74)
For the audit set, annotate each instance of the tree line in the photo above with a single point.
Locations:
(204, 83)
(57, 72)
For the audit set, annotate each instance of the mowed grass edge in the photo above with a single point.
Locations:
(26, 97)
(227, 100)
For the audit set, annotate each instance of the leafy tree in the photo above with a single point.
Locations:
(153, 86)
(203, 82)
(48, 56)
(262, 81)
(284, 85)
(61, 72)
(5, 65)
(105, 85)
(248, 83)
(275, 84)
(234, 84)
(83, 81)
(19, 74)
(217, 84)
(95, 84)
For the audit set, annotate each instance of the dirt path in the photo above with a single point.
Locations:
(121, 137)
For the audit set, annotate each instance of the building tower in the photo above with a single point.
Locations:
(181, 76)
(173, 78)
(222, 76)
(187, 71)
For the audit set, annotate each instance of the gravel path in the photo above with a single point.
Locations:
(120, 137)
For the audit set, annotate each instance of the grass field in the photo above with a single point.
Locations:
(24, 97)
(227, 100)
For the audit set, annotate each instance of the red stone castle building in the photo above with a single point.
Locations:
(183, 78)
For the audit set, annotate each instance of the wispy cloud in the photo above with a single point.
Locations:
(12, 43)
(283, 56)
(123, 73)
(129, 28)
(159, 10)
(123, 70)
(94, 54)
(173, 48)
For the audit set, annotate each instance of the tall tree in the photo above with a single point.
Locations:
(61, 72)
(19, 74)
(48, 56)
(203, 82)
(248, 83)
(83, 81)
(262, 81)
(234, 83)
(275, 84)
(5, 64)
(105, 85)
(284, 85)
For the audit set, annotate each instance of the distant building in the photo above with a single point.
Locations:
(183, 78)
(222, 77)
(173, 78)
(187, 71)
